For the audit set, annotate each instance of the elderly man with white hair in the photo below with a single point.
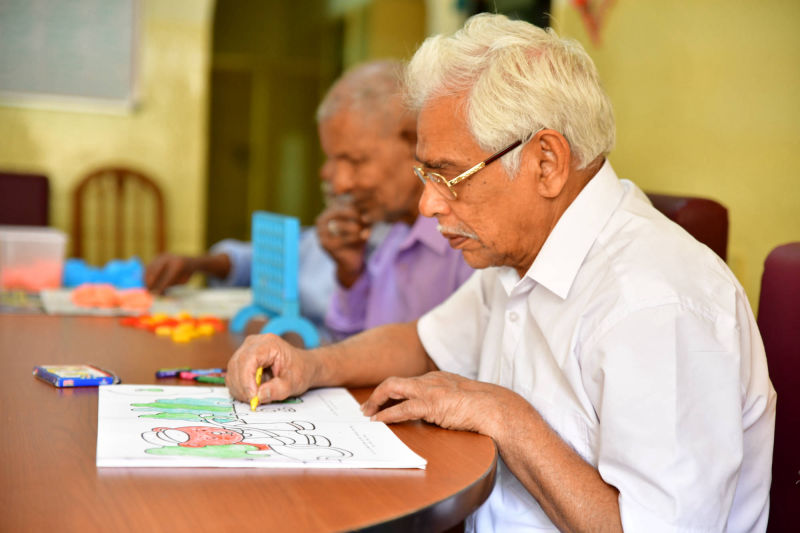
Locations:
(614, 360)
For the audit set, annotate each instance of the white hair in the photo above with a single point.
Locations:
(518, 79)
(373, 89)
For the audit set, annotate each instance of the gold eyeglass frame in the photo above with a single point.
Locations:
(436, 178)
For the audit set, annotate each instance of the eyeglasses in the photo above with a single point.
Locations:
(445, 186)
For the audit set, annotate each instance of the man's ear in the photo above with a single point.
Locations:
(551, 155)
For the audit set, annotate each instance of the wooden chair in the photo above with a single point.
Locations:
(779, 323)
(117, 213)
(705, 219)
(24, 199)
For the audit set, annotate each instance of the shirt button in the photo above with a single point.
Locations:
(513, 316)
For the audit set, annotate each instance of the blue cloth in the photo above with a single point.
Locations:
(122, 274)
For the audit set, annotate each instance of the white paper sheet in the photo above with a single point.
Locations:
(170, 426)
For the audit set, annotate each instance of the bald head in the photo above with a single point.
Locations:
(374, 91)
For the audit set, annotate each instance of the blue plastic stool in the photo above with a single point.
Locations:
(274, 279)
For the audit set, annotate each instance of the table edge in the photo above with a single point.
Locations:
(439, 515)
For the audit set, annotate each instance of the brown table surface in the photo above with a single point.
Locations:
(49, 481)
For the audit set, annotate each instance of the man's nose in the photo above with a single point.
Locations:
(342, 179)
(326, 172)
(431, 203)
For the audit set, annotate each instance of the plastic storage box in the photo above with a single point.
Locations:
(31, 257)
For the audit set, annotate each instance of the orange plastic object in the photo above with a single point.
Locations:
(95, 295)
(107, 296)
(32, 277)
(134, 299)
(181, 328)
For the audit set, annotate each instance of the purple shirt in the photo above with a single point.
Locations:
(412, 271)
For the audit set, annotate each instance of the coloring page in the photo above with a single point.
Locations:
(169, 426)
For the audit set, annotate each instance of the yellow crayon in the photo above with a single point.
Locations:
(254, 399)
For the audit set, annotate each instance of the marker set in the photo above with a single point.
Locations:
(74, 375)
(203, 375)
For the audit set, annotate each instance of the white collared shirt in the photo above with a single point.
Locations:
(638, 346)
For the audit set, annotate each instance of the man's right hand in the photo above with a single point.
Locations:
(167, 269)
(289, 371)
(343, 234)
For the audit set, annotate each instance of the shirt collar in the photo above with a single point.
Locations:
(565, 249)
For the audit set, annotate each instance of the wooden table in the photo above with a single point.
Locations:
(49, 481)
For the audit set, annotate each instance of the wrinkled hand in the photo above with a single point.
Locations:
(167, 270)
(447, 400)
(290, 368)
(343, 234)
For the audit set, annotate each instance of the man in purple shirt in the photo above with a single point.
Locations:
(369, 137)
(382, 262)
(411, 272)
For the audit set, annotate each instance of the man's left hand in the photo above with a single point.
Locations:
(447, 400)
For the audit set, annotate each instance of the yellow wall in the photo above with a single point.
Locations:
(707, 99)
(383, 28)
(164, 138)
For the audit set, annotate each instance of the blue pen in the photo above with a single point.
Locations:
(201, 371)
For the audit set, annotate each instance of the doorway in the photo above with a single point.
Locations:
(271, 64)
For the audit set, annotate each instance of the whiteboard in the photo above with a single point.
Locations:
(79, 54)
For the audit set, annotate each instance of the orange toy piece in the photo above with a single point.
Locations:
(212, 321)
(134, 299)
(181, 328)
(107, 296)
(95, 295)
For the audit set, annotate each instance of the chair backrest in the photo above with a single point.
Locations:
(705, 219)
(117, 213)
(779, 323)
(24, 199)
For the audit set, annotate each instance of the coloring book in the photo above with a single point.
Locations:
(172, 426)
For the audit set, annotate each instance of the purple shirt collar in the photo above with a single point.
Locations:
(424, 231)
